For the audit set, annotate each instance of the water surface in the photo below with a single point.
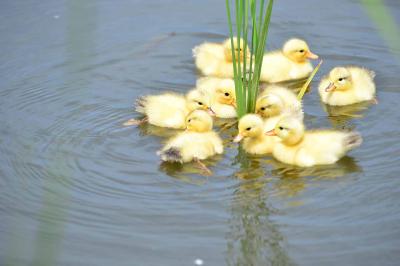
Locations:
(78, 188)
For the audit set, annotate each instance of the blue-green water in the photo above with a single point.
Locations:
(78, 188)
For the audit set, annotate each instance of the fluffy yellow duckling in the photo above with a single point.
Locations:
(222, 93)
(197, 143)
(275, 100)
(289, 63)
(251, 131)
(305, 149)
(347, 85)
(170, 109)
(215, 59)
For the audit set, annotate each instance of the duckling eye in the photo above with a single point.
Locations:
(281, 128)
(189, 120)
(226, 94)
(301, 51)
(248, 129)
(200, 103)
(263, 108)
(341, 79)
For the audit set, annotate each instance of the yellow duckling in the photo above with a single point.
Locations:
(215, 59)
(222, 93)
(275, 100)
(305, 149)
(197, 142)
(251, 131)
(289, 63)
(170, 109)
(347, 85)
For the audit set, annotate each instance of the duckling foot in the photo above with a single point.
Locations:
(203, 167)
(374, 101)
(135, 122)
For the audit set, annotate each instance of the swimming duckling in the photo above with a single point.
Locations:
(275, 100)
(289, 63)
(197, 142)
(308, 148)
(215, 59)
(170, 109)
(222, 93)
(251, 131)
(347, 85)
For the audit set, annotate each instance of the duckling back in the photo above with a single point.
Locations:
(318, 148)
(187, 146)
(165, 110)
(277, 67)
(210, 60)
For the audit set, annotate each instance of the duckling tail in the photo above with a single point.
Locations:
(170, 155)
(140, 105)
(352, 140)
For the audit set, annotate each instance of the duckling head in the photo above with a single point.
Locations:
(339, 79)
(269, 105)
(198, 100)
(199, 121)
(298, 51)
(238, 51)
(290, 129)
(226, 93)
(250, 126)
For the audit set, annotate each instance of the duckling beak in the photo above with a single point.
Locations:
(210, 111)
(238, 138)
(331, 87)
(271, 133)
(233, 103)
(311, 55)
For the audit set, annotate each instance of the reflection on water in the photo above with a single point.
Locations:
(341, 116)
(253, 238)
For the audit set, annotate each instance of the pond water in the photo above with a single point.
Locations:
(78, 188)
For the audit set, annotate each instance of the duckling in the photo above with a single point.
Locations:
(305, 149)
(347, 85)
(197, 142)
(275, 100)
(289, 63)
(170, 109)
(215, 59)
(222, 93)
(251, 131)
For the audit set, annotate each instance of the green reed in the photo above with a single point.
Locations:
(308, 82)
(247, 73)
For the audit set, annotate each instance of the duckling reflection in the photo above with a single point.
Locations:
(341, 116)
(189, 172)
(253, 239)
(292, 180)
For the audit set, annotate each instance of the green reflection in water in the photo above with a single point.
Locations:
(53, 214)
(385, 23)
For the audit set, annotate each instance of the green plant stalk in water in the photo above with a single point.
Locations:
(247, 73)
(310, 78)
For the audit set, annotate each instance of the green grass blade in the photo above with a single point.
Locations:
(310, 78)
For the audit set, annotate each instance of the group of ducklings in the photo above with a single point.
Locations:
(277, 127)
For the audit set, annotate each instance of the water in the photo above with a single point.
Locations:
(78, 188)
